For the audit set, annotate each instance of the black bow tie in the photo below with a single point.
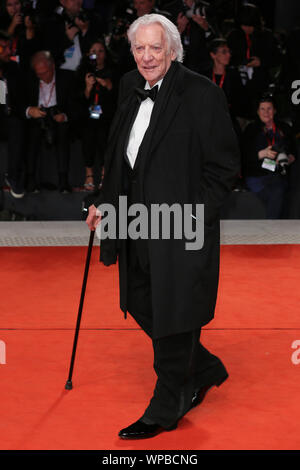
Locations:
(144, 94)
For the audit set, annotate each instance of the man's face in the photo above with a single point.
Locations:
(5, 51)
(44, 70)
(72, 6)
(143, 7)
(151, 52)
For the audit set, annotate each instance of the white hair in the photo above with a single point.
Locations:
(172, 34)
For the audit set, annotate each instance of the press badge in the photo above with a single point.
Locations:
(95, 111)
(269, 164)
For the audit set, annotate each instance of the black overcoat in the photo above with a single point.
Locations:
(190, 155)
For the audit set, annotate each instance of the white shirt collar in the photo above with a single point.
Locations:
(148, 87)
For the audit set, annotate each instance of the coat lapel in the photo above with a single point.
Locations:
(166, 105)
(164, 111)
(119, 132)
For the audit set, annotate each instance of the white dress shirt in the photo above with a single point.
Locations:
(140, 126)
(47, 94)
(72, 55)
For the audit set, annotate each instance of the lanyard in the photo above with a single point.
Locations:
(47, 102)
(271, 142)
(14, 45)
(96, 100)
(249, 43)
(221, 81)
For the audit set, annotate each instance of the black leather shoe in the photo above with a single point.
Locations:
(199, 395)
(141, 430)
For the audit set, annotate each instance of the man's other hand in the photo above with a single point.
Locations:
(35, 112)
(71, 32)
(201, 21)
(94, 217)
(60, 117)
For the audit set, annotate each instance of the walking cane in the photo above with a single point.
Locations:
(69, 384)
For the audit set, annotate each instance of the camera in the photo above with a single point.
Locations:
(281, 159)
(47, 123)
(92, 67)
(82, 16)
(120, 24)
(198, 8)
(28, 10)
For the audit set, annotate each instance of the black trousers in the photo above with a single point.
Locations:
(12, 130)
(182, 364)
(62, 145)
(94, 137)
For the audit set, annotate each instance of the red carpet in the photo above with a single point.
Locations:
(257, 320)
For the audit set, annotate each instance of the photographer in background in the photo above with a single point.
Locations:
(96, 92)
(268, 148)
(195, 33)
(254, 52)
(125, 14)
(69, 32)
(49, 109)
(11, 124)
(227, 78)
(18, 19)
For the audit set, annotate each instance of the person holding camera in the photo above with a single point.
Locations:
(225, 76)
(254, 52)
(49, 109)
(96, 93)
(11, 124)
(17, 20)
(68, 34)
(268, 148)
(195, 32)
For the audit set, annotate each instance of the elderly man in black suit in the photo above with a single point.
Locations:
(49, 108)
(179, 149)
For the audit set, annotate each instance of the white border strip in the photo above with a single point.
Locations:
(233, 232)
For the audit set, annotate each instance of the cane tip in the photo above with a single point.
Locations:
(69, 385)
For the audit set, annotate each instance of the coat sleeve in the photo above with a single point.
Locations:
(221, 155)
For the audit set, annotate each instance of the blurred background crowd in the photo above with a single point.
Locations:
(61, 62)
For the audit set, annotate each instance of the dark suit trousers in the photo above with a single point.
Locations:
(12, 129)
(62, 146)
(181, 363)
(94, 137)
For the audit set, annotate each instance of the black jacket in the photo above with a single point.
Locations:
(15, 87)
(189, 155)
(254, 139)
(65, 93)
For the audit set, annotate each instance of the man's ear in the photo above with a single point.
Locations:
(173, 55)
